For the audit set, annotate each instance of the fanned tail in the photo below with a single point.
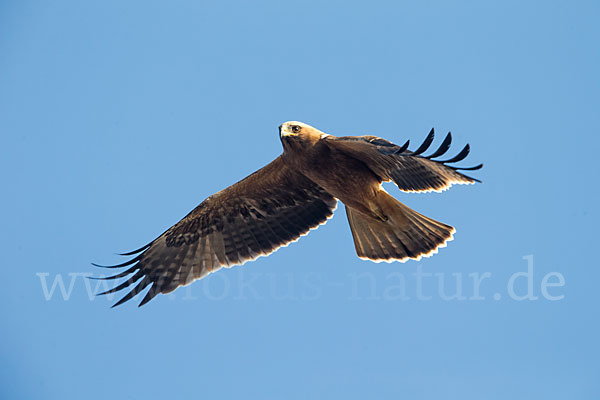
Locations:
(405, 234)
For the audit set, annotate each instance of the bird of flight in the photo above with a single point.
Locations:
(297, 192)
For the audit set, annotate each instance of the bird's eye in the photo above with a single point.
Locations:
(295, 128)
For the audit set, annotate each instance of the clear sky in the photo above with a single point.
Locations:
(117, 118)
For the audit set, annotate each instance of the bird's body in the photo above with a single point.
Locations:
(345, 178)
(296, 192)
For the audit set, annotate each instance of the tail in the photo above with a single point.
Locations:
(405, 234)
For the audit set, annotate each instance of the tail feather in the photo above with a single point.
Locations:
(405, 234)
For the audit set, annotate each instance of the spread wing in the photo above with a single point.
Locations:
(254, 217)
(410, 170)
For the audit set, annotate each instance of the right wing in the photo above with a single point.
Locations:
(254, 217)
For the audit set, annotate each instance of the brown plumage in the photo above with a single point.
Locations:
(295, 193)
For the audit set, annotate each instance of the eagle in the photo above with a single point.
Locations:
(298, 192)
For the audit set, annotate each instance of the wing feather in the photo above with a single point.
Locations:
(426, 143)
(443, 147)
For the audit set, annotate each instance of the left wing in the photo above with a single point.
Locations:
(410, 170)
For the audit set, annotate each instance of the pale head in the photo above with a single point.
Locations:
(295, 132)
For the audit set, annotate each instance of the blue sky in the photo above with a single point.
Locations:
(117, 118)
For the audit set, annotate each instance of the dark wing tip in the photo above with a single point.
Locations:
(473, 179)
(426, 143)
(468, 168)
(119, 275)
(138, 288)
(403, 148)
(123, 285)
(459, 157)
(443, 147)
(136, 251)
(126, 263)
(149, 295)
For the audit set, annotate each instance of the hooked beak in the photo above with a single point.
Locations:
(283, 132)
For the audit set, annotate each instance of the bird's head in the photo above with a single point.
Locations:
(294, 134)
